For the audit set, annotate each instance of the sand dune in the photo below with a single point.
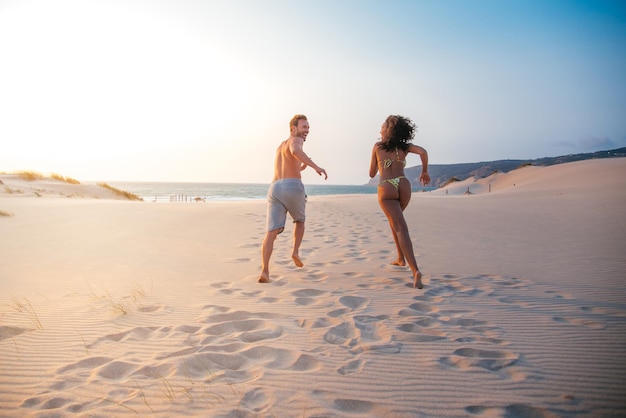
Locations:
(117, 308)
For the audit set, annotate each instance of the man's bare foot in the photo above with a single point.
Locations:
(399, 262)
(418, 280)
(297, 260)
(264, 278)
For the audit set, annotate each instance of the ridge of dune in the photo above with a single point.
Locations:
(14, 185)
(583, 176)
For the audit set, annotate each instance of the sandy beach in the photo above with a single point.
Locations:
(116, 308)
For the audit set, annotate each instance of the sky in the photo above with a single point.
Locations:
(203, 91)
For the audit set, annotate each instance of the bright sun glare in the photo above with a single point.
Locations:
(94, 75)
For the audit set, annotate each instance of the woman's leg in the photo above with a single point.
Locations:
(404, 198)
(400, 260)
(393, 210)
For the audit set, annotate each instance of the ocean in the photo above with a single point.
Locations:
(191, 192)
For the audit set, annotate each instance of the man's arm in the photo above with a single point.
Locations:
(295, 147)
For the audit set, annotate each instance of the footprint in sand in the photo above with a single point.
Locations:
(238, 260)
(306, 296)
(513, 410)
(354, 302)
(370, 327)
(269, 299)
(281, 359)
(154, 372)
(116, 370)
(85, 364)
(352, 367)
(341, 334)
(221, 285)
(418, 332)
(603, 311)
(257, 400)
(54, 403)
(581, 322)
(353, 406)
(314, 323)
(469, 358)
(8, 332)
(150, 309)
(338, 312)
(317, 276)
(133, 334)
(246, 330)
(228, 291)
(417, 309)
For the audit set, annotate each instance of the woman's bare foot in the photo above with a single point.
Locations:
(399, 262)
(296, 260)
(264, 278)
(417, 281)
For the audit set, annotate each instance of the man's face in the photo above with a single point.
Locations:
(302, 130)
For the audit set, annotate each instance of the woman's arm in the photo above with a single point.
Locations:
(374, 162)
(416, 149)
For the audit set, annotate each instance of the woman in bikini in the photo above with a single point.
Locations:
(394, 189)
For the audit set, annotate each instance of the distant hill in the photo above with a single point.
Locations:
(440, 174)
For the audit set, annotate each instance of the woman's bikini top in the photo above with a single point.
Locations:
(388, 161)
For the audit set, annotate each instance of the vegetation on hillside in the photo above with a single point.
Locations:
(118, 192)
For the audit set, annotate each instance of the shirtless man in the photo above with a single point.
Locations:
(286, 193)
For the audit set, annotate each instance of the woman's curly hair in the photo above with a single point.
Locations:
(401, 132)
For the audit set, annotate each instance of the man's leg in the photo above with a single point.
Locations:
(298, 234)
(266, 251)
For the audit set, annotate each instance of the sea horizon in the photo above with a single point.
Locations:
(208, 191)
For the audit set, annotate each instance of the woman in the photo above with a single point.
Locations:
(394, 189)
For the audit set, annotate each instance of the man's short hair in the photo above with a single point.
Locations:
(296, 119)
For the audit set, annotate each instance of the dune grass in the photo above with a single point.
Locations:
(122, 305)
(450, 181)
(59, 177)
(118, 192)
(30, 175)
(35, 175)
(23, 305)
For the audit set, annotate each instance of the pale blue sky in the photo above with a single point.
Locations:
(203, 90)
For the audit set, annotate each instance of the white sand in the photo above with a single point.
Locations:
(114, 308)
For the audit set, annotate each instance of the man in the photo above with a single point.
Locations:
(286, 193)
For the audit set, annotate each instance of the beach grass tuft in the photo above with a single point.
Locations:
(172, 392)
(450, 181)
(26, 307)
(118, 192)
(124, 305)
(59, 177)
(30, 175)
